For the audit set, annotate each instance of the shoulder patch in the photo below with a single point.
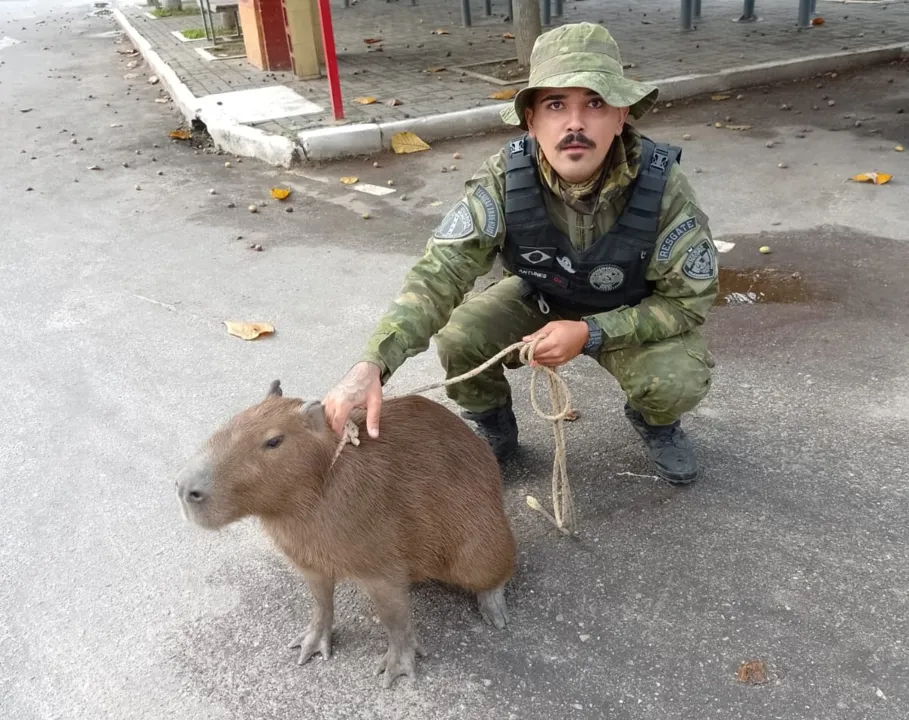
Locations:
(457, 224)
(516, 146)
(676, 234)
(701, 262)
(491, 216)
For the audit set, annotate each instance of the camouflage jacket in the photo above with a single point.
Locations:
(439, 281)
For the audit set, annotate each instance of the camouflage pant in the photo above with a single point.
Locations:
(661, 380)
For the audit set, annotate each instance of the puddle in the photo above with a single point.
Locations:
(750, 287)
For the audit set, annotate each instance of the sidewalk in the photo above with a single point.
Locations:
(424, 71)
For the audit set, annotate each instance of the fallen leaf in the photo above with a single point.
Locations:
(508, 36)
(350, 180)
(872, 177)
(25, 110)
(434, 69)
(153, 80)
(94, 167)
(365, 100)
(899, 148)
(503, 94)
(248, 330)
(370, 41)
(737, 127)
(753, 672)
(817, 21)
(440, 32)
(393, 102)
(720, 97)
(572, 416)
(280, 193)
(180, 134)
(407, 142)
(162, 101)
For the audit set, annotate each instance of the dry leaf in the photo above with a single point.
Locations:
(370, 41)
(441, 32)
(434, 69)
(508, 36)
(503, 94)
(280, 193)
(872, 177)
(753, 672)
(365, 100)
(180, 134)
(899, 148)
(737, 127)
(817, 21)
(349, 180)
(720, 97)
(248, 330)
(407, 142)
(393, 102)
(572, 416)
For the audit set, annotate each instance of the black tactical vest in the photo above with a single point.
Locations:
(608, 274)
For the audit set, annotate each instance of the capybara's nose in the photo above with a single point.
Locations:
(193, 493)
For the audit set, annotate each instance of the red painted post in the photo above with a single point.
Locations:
(331, 59)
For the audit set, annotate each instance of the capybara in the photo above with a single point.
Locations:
(423, 501)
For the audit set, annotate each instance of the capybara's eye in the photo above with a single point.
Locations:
(273, 442)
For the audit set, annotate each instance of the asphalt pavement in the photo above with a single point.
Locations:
(791, 550)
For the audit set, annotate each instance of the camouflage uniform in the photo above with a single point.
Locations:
(653, 349)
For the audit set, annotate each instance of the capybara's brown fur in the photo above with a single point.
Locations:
(423, 501)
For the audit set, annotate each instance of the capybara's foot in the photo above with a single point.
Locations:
(316, 639)
(493, 607)
(399, 659)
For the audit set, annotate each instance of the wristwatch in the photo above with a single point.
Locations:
(595, 341)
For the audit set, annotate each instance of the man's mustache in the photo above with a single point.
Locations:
(575, 139)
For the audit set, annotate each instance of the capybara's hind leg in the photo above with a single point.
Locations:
(493, 607)
(392, 601)
(317, 637)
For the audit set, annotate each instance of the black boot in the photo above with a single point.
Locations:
(670, 449)
(499, 428)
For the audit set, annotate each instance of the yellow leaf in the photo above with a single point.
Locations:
(280, 193)
(349, 180)
(365, 100)
(503, 94)
(899, 148)
(719, 97)
(248, 330)
(407, 142)
(440, 32)
(872, 177)
(180, 134)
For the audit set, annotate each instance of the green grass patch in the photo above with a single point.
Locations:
(162, 13)
(199, 33)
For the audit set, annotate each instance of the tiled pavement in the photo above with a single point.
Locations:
(647, 31)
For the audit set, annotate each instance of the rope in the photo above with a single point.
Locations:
(560, 399)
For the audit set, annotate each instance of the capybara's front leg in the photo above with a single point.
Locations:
(392, 601)
(317, 637)
(493, 607)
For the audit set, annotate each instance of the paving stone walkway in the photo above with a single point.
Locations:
(648, 33)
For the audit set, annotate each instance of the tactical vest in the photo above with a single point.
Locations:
(608, 274)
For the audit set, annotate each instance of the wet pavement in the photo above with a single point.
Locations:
(791, 550)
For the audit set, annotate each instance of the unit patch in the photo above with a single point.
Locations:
(676, 234)
(457, 224)
(606, 278)
(515, 147)
(701, 262)
(490, 211)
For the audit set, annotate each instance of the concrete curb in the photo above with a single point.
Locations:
(367, 138)
(226, 133)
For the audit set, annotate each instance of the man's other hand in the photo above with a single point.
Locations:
(361, 387)
(561, 341)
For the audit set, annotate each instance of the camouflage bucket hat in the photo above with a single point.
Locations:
(581, 55)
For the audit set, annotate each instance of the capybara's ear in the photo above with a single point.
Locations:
(314, 414)
(274, 389)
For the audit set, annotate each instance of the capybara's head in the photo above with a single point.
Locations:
(258, 463)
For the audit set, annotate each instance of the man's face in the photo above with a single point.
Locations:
(574, 128)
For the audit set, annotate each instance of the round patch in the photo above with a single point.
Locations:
(606, 278)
